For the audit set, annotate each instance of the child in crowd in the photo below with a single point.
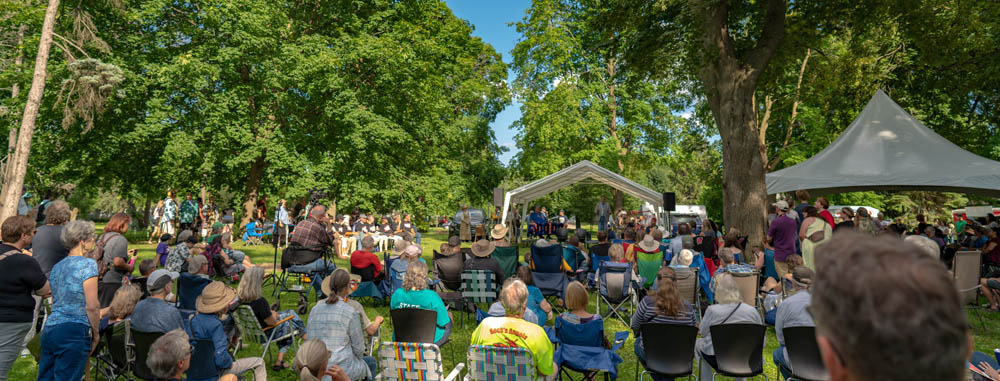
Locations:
(162, 249)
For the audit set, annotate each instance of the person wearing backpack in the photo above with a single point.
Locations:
(115, 260)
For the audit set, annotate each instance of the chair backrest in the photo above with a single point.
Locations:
(648, 264)
(547, 259)
(250, 328)
(572, 256)
(596, 260)
(738, 348)
(410, 361)
(203, 360)
(615, 279)
(966, 269)
(478, 286)
(687, 284)
(366, 273)
(675, 358)
(448, 269)
(119, 342)
(486, 363)
(413, 325)
(803, 353)
(367, 290)
(143, 341)
(747, 283)
(589, 334)
(508, 257)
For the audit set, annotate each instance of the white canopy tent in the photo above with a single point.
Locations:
(885, 148)
(584, 171)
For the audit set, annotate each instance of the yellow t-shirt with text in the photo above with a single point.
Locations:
(517, 333)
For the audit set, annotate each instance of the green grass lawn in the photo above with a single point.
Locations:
(25, 369)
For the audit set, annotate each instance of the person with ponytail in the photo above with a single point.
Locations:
(662, 305)
(311, 363)
(338, 325)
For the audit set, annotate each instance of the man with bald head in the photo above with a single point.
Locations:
(311, 238)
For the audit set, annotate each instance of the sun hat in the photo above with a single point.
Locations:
(482, 248)
(686, 257)
(159, 279)
(341, 281)
(648, 244)
(399, 246)
(781, 205)
(499, 231)
(215, 298)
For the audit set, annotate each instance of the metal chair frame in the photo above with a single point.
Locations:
(251, 331)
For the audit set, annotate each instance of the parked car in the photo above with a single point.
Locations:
(477, 217)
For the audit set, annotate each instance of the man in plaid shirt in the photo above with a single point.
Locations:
(314, 239)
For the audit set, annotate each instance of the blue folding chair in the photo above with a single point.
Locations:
(548, 271)
(595, 263)
(581, 348)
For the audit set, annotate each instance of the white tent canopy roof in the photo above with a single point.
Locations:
(579, 172)
(885, 148)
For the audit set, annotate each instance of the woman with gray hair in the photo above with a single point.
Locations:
(414, 294)
(729, 309)
(250, 293)
(71, 331)
(46, 246)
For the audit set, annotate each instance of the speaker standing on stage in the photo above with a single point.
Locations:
(601, 212)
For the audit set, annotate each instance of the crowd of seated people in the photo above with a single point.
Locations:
(182, 301)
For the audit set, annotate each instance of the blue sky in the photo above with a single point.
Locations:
(490, 19)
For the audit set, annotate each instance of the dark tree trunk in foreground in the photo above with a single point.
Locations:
(252, 191)
(730, 82)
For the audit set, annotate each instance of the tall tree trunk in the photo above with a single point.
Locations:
(19, 162)
(15, 91)
(253, 187)
(730, 82)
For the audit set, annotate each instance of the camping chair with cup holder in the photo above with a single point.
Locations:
(548, 273)
(580, 348)
(116, 353)
(615, 288)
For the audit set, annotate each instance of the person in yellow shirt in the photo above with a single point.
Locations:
(513, 331)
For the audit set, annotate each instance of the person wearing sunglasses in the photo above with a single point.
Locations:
(884, 310)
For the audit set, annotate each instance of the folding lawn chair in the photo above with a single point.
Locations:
(595, 263)
(581, 349)
(251, 331)
(549, 272)
(508, 257)
(143, 341)
(686, 280)
(647, 265)
(614, 285)
(413, 361)
(747, 282)
(252, 235)
(478, 286)
(486, 363)
(967, 271)
(117, 353)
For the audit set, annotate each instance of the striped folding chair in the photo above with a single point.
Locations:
(413, 361)
(478, 286)
(486, 363)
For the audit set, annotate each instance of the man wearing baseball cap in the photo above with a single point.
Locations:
(782, 234)
(154, 314)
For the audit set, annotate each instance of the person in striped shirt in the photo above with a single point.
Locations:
(664, 305)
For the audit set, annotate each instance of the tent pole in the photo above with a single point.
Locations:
(506, 206)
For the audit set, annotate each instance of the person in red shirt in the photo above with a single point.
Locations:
(822, 204)
(366, 263)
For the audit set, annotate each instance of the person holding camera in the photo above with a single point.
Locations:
(311, 240)
(118, 259)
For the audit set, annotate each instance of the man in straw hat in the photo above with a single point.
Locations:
(212, 306)
(481, 260)
(499, 235)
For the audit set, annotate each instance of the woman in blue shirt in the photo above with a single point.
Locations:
(414, 294)
(70, 332)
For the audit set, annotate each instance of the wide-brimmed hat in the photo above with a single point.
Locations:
(499, 231)
(215, 298)
(482, 248)
(648, 244)
(327, 285)
(399, 246)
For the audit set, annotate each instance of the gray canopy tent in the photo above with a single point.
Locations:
(885, 148)
(584, 171)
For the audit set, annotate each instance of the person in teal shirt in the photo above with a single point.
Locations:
(414, 294)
